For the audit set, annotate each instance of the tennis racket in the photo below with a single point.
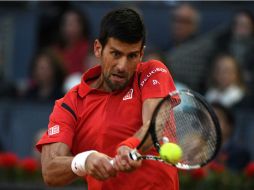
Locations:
(186, 119)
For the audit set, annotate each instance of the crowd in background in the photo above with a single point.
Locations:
(220, 65)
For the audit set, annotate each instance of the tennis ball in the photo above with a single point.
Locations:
(170, 152)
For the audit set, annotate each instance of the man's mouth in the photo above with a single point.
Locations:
(118, 77)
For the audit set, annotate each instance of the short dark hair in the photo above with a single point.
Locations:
(123, 24)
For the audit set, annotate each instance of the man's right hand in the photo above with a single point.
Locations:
(123, 162)
(99, 167)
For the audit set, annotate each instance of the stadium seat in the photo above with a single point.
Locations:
(4, 124)
(26, 119)
(245, 129)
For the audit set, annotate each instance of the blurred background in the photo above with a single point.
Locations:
(45, 46)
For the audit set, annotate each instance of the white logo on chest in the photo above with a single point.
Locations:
(128, 95)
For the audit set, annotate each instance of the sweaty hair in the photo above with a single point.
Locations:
(125, 25)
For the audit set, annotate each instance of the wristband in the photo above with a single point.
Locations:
(131, 142)
(79, 162)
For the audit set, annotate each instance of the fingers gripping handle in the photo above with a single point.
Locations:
(134, 155)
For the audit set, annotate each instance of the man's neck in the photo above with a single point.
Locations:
(100, 84)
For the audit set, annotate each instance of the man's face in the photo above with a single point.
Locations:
(118, 61)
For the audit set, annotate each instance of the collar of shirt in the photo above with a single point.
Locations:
(91, 74)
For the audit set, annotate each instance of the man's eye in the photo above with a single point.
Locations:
(115, 54)
(133, 56)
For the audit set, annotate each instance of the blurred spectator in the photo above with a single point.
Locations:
(71, 81)
(232, 154)
(72, 45)
(47, 77)
(185, 25)
(238, 40)
(74, 79)
(225, 84)
(48, 21)
(187, 50)
(91, 60)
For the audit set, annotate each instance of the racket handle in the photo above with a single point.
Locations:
(134, 155)
(112, 162)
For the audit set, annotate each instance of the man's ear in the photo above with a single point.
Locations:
(142, 53)
(97, 48)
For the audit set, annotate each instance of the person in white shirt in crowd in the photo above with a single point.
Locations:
(225, 84)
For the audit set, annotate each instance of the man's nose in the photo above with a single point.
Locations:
(122, 64)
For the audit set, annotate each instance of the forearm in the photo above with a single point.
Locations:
(147, 111)
(59, 167)
(56, 160)
(58, 172)
(142, 131)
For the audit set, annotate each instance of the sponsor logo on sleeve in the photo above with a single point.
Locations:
(54, 130)
(152, 72)
(155, 82)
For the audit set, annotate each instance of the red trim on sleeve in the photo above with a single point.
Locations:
(131, 142)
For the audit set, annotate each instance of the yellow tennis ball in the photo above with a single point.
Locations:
(171, 152)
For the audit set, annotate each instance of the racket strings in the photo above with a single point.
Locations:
(190, 126)
(196, 141)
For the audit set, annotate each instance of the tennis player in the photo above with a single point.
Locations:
(105, 116)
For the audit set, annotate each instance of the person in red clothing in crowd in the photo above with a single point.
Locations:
(72, 45)
(107, 114)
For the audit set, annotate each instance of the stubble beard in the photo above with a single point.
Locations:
(115, 86)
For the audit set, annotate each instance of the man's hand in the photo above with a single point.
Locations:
(122, 161)
(98, 166)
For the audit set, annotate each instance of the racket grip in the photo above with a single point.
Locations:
(134, 155)
(112, 162)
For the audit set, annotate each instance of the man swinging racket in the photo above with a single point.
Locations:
(106, 115)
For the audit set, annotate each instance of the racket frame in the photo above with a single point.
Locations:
(151, 131)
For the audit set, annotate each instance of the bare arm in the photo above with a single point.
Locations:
(122, 160)
(147, 111)
(56, 160)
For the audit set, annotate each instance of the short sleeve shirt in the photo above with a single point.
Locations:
(91, 119)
